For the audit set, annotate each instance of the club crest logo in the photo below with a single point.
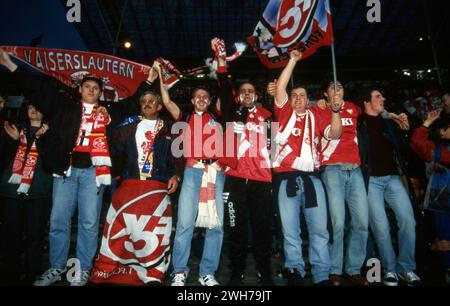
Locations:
(294, 18)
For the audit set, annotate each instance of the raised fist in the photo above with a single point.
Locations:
(295, 55)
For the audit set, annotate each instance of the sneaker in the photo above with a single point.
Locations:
(410, 278)
(236, 279)
(84, 279)
(208, 280)
(49, 277)
(390, 279)
(335, 279)
(294, 278)
(179, 279)
(357, 280)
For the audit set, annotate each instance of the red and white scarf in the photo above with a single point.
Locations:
(24, 165)
(207, 209)
(221, 52)
(307, 160)
(92, 139)
(170, 73)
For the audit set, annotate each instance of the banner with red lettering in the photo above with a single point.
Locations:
(291, 24)
(121, 77)
(135, 247)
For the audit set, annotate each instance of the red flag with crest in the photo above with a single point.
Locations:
(291, 24)
(135, 248)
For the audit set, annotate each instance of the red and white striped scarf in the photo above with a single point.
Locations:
(92, 139)
(207, 209)
(307, 161)
(24, 165)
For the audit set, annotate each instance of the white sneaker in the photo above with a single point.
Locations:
(179, 279)
(208, 280)
(49, 277)
(390, 279)
(410, 278)
(84, 279)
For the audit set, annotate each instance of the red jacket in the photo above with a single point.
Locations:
(425, 147)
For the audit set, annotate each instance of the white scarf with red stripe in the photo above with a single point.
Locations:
(24, 165)
(207, 209)
(308, 154)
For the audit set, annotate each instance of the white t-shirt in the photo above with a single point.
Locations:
(86, 126)
(143, 137)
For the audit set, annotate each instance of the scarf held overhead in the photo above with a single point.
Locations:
(121, 77)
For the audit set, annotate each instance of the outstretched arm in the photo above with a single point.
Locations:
(283, 80)
(44, 90)
(225, 88)
(173, 109)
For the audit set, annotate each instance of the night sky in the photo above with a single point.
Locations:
(23, 20)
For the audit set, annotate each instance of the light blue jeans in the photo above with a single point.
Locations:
(316, 221)
(76, 191)
(390, 189)
(187, 213)
(347, 186)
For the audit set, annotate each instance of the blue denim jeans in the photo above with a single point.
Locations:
(316, 221)
(347, 186)
(390, 189)
(76, 191)
(187, 213)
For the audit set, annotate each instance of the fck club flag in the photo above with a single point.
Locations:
(287, 25)
(135, 247)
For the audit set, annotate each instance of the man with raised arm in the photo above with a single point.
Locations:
(248, 186)
(200, 202)
(296, 163)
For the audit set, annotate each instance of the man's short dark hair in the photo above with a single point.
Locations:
(441, 123)
(197, 88)
(92, 78)
(246, 82)
(327, 82)
(365, 94)
(297, 85)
